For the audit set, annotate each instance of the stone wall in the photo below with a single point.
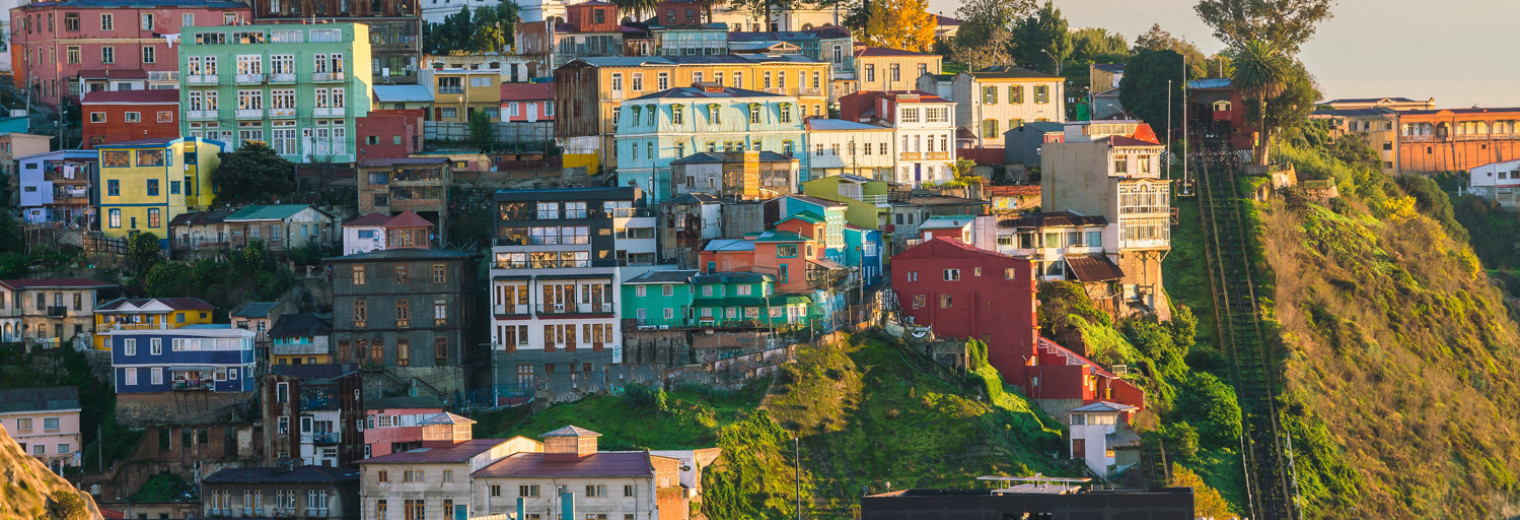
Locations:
(660, 348)
(178, 408)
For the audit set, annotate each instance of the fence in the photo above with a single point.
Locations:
(505, 132)
(97, 242)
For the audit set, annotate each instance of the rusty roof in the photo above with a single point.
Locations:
(1094, 267)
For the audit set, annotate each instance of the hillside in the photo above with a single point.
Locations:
(1398, 353)
(867, 413)
(28, 491)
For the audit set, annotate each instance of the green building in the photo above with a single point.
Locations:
(298, 87)
(740, 299)
(659, 299)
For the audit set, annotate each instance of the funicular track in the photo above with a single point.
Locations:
(1265, 446)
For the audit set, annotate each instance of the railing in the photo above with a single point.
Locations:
(574, 308)
(257, 113)
(250, 78)
(105, 327)
(450, 90)
(198, 384)
(316, 511)
(57, 311)
(326, 437)
(327, 76)
(201, 79)
(936, 156)
(200, 114)
(296, 349)
(282, 112)
(910, 156)
(163, 75)
(329, 111)
(512, 309)
(879, 199)
(808, 92)
(282, 78)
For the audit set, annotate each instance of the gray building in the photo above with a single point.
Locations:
(1022, 145)
(1057, 501)
(287, 490)
(404, 308)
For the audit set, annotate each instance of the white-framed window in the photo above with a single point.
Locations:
(149, 54)
(129, 347)
(107, 53)
(157, 375)
(282, 63)
(156, 346)
(130, 376)
(132, 117)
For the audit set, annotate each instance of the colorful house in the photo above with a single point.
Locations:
(56, 187)
(149, 314)
(459, 93)
(654, 131)
(747, 300)
(128, 115)
(863, 249)
(994, 99)
(659, 299)
(49, 311)
(298, 87)
(144, 184)
(883, 69)
(300, 339)
(217, 358)
(394, 424)
(527, 102)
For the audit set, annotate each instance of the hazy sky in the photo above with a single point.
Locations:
(1461, 52)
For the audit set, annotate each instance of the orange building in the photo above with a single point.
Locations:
(129, 115)
(1457, 139)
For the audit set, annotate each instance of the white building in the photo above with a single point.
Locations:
(992, 100)
(365, 234)
(432, 481)
(923, 132)
(560, 257)
(1099, 433)
(840, 147)
(1497, 182)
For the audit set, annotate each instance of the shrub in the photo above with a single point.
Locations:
(1211, 404)
(66, 505)
(641, 396)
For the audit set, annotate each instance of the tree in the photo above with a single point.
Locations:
(1262, 72)
(900, 24)
(636, 8)
(252, 174)
(764, 8)
(1043, 41)
(1143, 90)
(980, 16)
(1060, 302)
(1157, 39)
(1207, 502)
(1097, 45)
(978, 53)
(1211, 405)
(1286, 24)
(143, 253)
(493, 28)
(482, 131)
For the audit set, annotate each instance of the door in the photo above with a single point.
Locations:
(918, 172)
(532, 112)
(1079, 448)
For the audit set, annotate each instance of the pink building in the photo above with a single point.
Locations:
(53, 42)
(45, 421)
(394, 424)
(529, 102)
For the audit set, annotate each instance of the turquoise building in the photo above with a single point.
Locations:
(659, 299)
(297, 87)
(656, 129)
(739, 299)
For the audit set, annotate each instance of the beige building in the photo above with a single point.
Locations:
(992, 100)
(45, 422)
(432, 481)
(882, 69)
(1391, 103)
(49, 311)
(1112, 169)
(1378, 124)
(14, 145)
(615, 485)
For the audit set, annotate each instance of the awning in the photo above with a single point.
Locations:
(826, 263)
(1093, 267)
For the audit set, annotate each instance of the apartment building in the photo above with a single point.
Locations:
(148, 313)
(286, 490)
(433, 481)
(924, 132)
(51, 312)
(841, 147)
(560, 256)
(880, 69)
(215, 358)
(589, 92)
(657, 129)
(301, 338)
(994, 99)
(459, 93)
(404, 307)
(1454, 139)
(627, 485)
(62, 49)
(314, 414)
(45, 422)
(409, 188)
(1112, 169)
(144, 184)
(129, 115)
(297, 87)
(1378, 126)
(393, 36)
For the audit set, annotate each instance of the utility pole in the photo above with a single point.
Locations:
(1185, 128)
(797, 467)
(1168, 123)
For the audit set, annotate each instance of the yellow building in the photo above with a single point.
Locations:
(459, 93)
(881, 69)
(145, 184)
(589, 92)
(148, 313)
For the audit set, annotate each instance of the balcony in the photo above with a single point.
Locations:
(508, 310)
(297, 349)
(575, 308)
(107, 327)
(282, 78)
(327, 76)
(185, 385)
(808, 92)
(328, 111)
(282, 112)
(316, 512)
(250, 79)
(450, 90)
(200, 114)
(163, 75)
(202, 79)
(256, 113)
(910, 156)
(57, 311)
(326, 437)
(937, 156)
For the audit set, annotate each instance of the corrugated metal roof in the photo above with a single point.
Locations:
(300, 325)
(571, 431)
(459, 452)
(402, 93)
(840, 124)
(664, 276)
(1093, 267)
(266, 212)
(39, 399)
(299, 475)
(254, 310)
(600, 464)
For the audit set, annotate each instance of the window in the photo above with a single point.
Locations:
(358, 275)
(530, 491)
(1009, 274)
(360, 313)
(107, 22)
(97, 117)
(786, 251)
(115, 218)
(72, 54)
(989, 95)
(1042, 94)
(952, 275)
(129, 347)
(152, 184)
(440, 273)
(282, 392)
(944, 301)
(989, 128)
(149, 54)
(596, 491)
(754, 114)
(638, 81)
(1120, 164)
(50, 424)
(495, 490)
(108, 53)
(403, 312)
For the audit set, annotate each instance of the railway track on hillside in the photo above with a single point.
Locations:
(1265, 446)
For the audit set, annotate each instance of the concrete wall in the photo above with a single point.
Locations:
(179, 408)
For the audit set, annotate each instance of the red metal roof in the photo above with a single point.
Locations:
(1013, 191)
(372, 219)
(153, 97)
(526, 91)
(408, 219)
(600, 464)
(457, 453)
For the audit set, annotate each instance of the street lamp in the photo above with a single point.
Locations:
(1053, 58)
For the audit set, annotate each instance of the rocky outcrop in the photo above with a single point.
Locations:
(27, 487)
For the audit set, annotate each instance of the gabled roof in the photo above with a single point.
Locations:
(664, 276)
(55, 283)
(942, 247)
(1007, 72)
(1044, 127)
(1370, 100)
(571, 431)
(873, 52)
(268, 212)
(599, 464)
(459, 452)
(1103, 406)
(447, 418)
(408, 219)
(805, 216)
(1053, 219)
(153, 305)
(1109, 67)
(947, 221)
(254, 310)
(300, 325)
(196, 218)
(372, 219)
(402, 93)
(526, 91)
(729, 245)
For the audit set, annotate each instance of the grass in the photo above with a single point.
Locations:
(1186, 271)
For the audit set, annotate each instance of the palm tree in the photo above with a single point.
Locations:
(635, 9)
(1261, 72)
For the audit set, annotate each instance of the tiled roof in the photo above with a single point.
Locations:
(407, 219)
(600, 464)
(55, 283)
(1053, 219)
(145, 97)
(729, 244)
(571, 431)
(527, 91)
(299, 475)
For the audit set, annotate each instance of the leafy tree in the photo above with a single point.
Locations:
(1262, 72)
(493, 28)
(252, 174)
(1059, 302)
(980, 16)
(143, 253)
(1286, 24)
(764, 8)
(1157, 39)
(1207, 502)
(487, 29)
(900, 24)
(1211, 405)
(482, 131)
(1291, 108)
(1433, 202)
(1179, 438)
(1097, 45)
(13, 265)
(980, 52)
(1143, 90)
(1042, 41)
(169, 279)
(65, 504)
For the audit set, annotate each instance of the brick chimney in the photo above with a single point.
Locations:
(569, 444)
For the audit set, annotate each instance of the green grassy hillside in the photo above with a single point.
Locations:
(1399, 354)
(866, 411)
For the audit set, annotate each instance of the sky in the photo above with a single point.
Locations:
(1458, 51)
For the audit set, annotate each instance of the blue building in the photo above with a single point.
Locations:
(862, 249)
(215, 358)
(655, 130)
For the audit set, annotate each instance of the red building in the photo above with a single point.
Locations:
(390, 134)
(964, 292)
(1213, 104)
(53, 43)
(129, 115)
(529, 102)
